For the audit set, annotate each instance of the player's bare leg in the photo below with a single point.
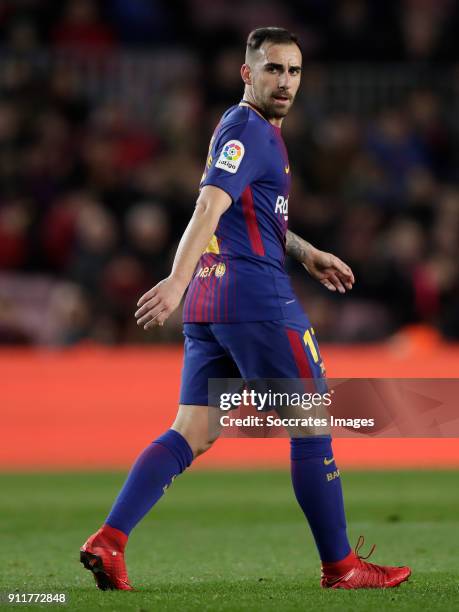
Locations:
(192, 433)
(199, 425)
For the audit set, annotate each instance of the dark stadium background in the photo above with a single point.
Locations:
(106, 110)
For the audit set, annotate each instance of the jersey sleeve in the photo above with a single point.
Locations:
(235, 160)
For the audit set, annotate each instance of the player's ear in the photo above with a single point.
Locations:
(246, 74)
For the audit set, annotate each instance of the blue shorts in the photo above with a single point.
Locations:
(286, 348)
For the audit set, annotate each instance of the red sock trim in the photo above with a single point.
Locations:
(339, 568)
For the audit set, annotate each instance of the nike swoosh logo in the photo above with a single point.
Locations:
(287, 169)
(344, 578)
(349, 575)
(328, 461)
(290, 302)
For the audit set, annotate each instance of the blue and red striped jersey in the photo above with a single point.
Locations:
(241, 275)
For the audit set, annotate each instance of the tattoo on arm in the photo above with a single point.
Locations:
(297, 248)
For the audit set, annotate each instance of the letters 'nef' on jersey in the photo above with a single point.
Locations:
(241, 276)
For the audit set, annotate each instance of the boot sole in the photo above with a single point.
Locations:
(94, 564)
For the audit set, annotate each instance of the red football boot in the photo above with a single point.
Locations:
(354, 573)
(103, 555)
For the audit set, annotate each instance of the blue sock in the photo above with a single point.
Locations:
(154, 470)
(317, 487)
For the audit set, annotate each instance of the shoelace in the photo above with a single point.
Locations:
(379, 572)
(358, 546)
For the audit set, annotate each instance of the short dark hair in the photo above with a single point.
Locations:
(274, 35)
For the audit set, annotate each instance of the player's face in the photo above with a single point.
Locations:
(275, 76)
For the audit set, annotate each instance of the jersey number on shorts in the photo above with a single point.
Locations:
(310, 342)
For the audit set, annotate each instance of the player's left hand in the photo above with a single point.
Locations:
(157, 304)
(329, 270)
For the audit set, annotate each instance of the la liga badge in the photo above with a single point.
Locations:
(231, 156)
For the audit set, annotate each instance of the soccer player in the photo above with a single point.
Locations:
(242, 319)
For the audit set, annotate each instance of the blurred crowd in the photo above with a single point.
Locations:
(99, 165)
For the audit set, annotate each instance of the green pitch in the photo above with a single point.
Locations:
(230, 541)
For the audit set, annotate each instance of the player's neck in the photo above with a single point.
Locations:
(273, 121)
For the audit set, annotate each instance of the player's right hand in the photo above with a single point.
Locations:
(157, 304)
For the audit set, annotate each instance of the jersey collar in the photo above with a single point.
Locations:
(253, 107)
(258, 111)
